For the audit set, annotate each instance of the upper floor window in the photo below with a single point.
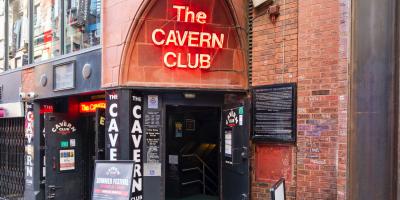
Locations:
(58, 27)
(2, 35)
(46, 29)
(82, 24)
(18, 33)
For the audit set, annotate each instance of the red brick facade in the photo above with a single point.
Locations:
(307, 45)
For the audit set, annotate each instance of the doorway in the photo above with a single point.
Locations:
(73, 141)
(192, 153)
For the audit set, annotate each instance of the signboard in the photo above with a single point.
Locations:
(113, 180)
(112, 125)
(137, 145)
(90, 107)
(274, 113)
(278, 190)
(64, 128)
(194, 38)
(64, 76)
(29, 149)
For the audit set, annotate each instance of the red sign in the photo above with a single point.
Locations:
(188, 39)
(90, 107)
(46, 109)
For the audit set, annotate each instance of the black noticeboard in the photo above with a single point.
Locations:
(274, 113)
(112, 180)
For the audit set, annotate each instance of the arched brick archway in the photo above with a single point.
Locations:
(141, 61)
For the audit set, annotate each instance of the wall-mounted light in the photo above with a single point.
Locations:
(273, 12)
(189, 95)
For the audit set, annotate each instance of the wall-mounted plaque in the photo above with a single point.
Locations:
(274, 113)
(64, 76)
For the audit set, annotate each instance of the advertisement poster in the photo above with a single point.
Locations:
(67, 159)
(112, 180)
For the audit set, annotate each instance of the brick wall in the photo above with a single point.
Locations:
(28, 80)
(307, 45)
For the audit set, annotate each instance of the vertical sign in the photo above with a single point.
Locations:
(29, 148)
(112, 124)
(137, 145)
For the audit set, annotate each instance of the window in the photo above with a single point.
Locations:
(18, 33)
(58, 27)
(2, 34)
(82, 24)
(46, 29)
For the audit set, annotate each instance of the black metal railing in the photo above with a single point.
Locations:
(12, 151)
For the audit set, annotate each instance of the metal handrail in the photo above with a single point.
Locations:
(202, 162)
(202, 171)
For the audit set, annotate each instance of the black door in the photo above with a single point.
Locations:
(235, 147)
(63, 157)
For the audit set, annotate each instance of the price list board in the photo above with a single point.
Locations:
(274, 113)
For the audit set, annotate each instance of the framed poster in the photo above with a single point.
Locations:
(274, 113)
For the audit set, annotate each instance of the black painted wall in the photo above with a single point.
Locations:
(373, 101)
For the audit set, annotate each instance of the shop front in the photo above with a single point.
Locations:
(64, 126)
(176, 85)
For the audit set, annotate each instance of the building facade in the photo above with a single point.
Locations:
(218, 100)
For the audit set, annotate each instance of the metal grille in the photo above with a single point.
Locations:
(12, 149)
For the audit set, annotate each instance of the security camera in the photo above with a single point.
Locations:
(31, 95)
(22, 95)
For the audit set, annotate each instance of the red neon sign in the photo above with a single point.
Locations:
(90, 107)
(46, 109)
(188, 39)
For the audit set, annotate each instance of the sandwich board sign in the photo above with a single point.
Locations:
(278, 190)
(112, 180)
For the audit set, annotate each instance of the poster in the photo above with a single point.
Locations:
(153, 144)
(152, 101)
(67, 159)
(112, 180)
(228, 146)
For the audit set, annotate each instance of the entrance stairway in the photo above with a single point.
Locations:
(198, 170)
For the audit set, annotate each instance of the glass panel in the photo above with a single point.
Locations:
(82, 24)
(18, 33)
(46, 29)
(2, 33)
